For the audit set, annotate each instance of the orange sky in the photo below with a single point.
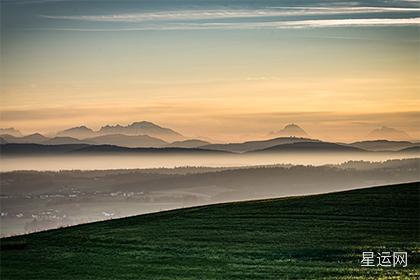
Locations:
(232, 84)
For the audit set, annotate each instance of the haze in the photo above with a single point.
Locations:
(109, 162)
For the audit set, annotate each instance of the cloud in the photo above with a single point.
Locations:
(267, 18)
(351, 22)
(220, 14)
(318, 23)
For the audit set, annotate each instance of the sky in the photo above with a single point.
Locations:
(224, 70)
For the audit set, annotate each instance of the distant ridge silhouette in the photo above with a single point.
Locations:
(10, 131)
(388, 133)
(143, 128)
(134, 129)
(39, 149)
(32, 138)
(79, 132)
(256, 145)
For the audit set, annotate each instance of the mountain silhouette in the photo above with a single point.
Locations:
(143, 128)
(290, 130)
(35, 138)
(388, 133)
(11, 131)
(109, 139)
(79, 132)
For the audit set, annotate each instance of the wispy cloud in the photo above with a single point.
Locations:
(319, 23)
(351, 22)
(219, 14)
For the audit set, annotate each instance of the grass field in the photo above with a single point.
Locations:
(312, 237)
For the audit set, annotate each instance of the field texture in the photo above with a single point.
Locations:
(312, 237)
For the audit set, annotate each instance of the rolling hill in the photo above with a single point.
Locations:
(11, 149)
(24, 149)
(382, 145)
(35, 138)
(191, 143)
(64, 140)
(319, 236)
(414, 149)
(309, 147)
(256, 145)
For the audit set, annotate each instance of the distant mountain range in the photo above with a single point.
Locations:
(143, 128)
(130, 141)
(11, 131)
(134, 129)
(145, 134)
(15, 149)
(35, 138)
(79, 132)
(388, 133)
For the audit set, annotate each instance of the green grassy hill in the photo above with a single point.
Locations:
(312, 237)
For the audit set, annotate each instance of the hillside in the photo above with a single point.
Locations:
(65, 140)
(320, 236)
(382, 145)
(309, 147)
(190, 143)
(24, 149)
(12, 149)
(35, 138)
(414, 149)
(256, 145)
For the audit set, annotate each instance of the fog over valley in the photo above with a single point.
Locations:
(34, 201)
(81, 175)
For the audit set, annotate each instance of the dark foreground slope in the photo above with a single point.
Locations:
(300, 237)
